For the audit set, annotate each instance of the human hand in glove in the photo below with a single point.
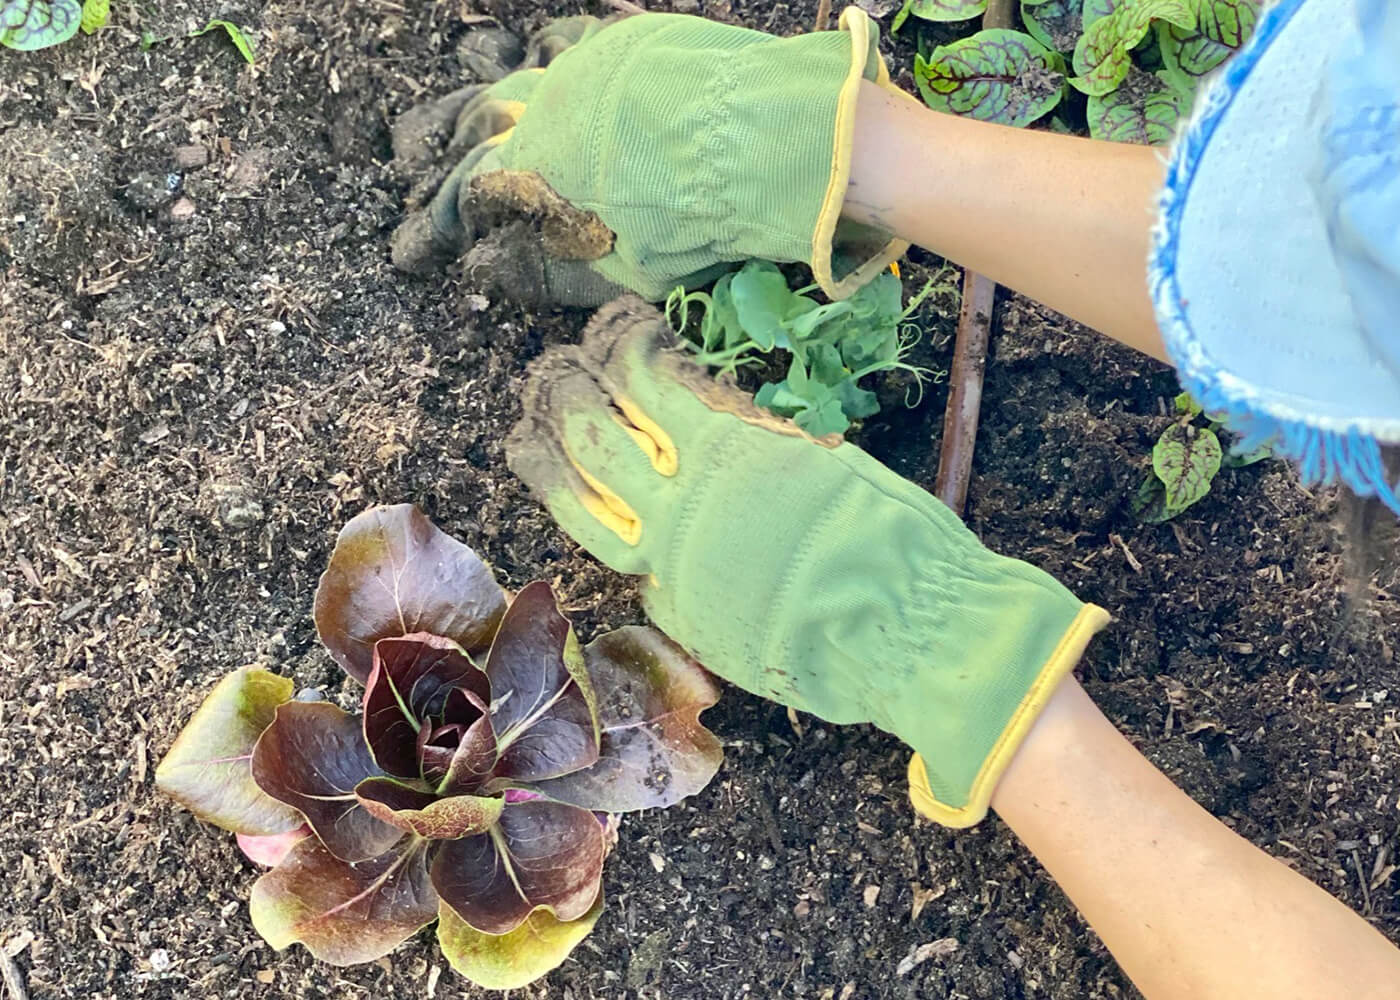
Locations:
(802, 570)
(645, 153)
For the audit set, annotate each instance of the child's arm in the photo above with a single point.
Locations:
(1063, 220)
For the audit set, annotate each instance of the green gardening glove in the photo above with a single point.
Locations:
(647, 153)
(802, 570)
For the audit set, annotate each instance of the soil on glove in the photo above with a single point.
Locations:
(207, 365)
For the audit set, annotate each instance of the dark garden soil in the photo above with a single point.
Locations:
(207, 365)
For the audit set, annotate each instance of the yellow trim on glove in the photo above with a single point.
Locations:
(1090, 620)
(856, 23)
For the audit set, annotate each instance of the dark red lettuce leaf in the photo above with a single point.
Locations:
(312, 757)
(424, 812)
(541, 702)
(393, 572)
(343, 913)
(539, 853)
(409, 685)
(470, 765)
(654, 751)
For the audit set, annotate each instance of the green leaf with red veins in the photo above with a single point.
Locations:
(941, 10)
(312, 757)
(654, 751)
(540, 853)
(1104, 53)
(1186, 459)
(1145, 109)
(345, 914)
(393, 572)
(36, 24)
(1222, 26)
(1096, 9)
(518, 958)
(422, 811)
(410, 684)
(208, 768)
(542, 706)
(996, 75)
(1054, 23)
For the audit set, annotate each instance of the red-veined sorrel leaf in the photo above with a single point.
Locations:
(1054, 23)
(312, 757)
(408, 686)
(36, 24)
(996, 75)
(1144, 109)
(393, 572)
(423, 812)
(1103, 56)
(269, 851)
(542, 705)
(1095, 9)
(1186, 459)
(208, 768)
(518, 958)
(539, 853)
(939, 10)
(1222, 26)
(343, 913)
(654, 751)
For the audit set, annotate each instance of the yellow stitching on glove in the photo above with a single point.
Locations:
(611, 510)
(654, 442)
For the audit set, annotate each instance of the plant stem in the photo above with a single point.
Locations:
(965, 391)
(999, 14)
(823, 15)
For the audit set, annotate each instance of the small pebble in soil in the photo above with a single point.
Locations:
(182, 210)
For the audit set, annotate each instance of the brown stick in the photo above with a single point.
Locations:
(823, 15)
(961, 417)
(965, 391)
(10, 975)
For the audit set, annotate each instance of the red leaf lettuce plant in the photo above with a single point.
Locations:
(479, 784)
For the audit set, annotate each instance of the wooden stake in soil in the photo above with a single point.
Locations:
(965, 391)
(969, 353)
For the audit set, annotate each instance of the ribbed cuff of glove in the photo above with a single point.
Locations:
(963, 810)
(846, 257)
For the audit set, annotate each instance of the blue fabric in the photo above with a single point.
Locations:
(1357, 179)
(1280, 304)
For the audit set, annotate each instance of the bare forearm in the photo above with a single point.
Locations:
(1187, 907)
(1063, 220)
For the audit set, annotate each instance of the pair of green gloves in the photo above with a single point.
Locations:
(655, 151)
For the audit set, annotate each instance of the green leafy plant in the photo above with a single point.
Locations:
(752, 312)
(237, 35)
(480, 782)
(1137, 63)
(1185, 461)
(37, 24)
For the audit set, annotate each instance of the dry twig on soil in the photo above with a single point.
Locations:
(9, 973)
